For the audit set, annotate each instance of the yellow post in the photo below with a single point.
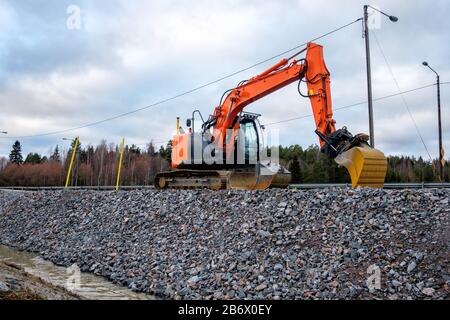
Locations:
(71, 161)
(178, 125)
(120, 164)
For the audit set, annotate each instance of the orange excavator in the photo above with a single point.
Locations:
(228, 151)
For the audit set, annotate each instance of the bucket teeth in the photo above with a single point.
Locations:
(367, 166)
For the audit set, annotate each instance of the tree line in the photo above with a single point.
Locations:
(311, 166)
(97, 166)
(93, 166)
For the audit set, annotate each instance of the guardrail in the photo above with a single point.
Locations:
(420, 185)
(98, 188)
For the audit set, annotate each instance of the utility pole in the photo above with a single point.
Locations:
(369, 72)
(369, 77)
(441, 149)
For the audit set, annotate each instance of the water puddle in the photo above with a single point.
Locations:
(86, 285)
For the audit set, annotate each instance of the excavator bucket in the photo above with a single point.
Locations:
(367, 166)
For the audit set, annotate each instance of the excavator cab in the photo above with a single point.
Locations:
(247, 150)
(257, 172)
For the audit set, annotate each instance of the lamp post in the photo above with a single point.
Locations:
(369, 72)
(441, 150)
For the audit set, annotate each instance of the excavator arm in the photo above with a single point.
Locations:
(366, 166)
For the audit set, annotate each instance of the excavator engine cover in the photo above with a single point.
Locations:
(367, 166)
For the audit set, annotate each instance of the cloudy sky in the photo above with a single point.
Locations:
(130, 54)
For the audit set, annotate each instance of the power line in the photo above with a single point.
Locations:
(356, 104)
(334, 109)
(185, 92)
(403, 98)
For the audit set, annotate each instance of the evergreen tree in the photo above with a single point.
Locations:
(55, 157)
(428, 173)
(77, 152)
(16, 154)
(151, 149)
(135, 150)
(90, 152)
(33, 158)
(319, 173)
(162, 152)
(72, 145)
(83, 156)
(169, 151)
(295, 170)
(166, 153)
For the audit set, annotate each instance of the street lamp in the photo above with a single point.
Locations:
(369, 73)
(73, 140)
(441, 150)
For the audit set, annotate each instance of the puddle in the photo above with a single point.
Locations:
(84, 284)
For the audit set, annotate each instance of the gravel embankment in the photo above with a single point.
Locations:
(273, 244)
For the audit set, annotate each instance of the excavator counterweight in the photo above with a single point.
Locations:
(226, 152)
